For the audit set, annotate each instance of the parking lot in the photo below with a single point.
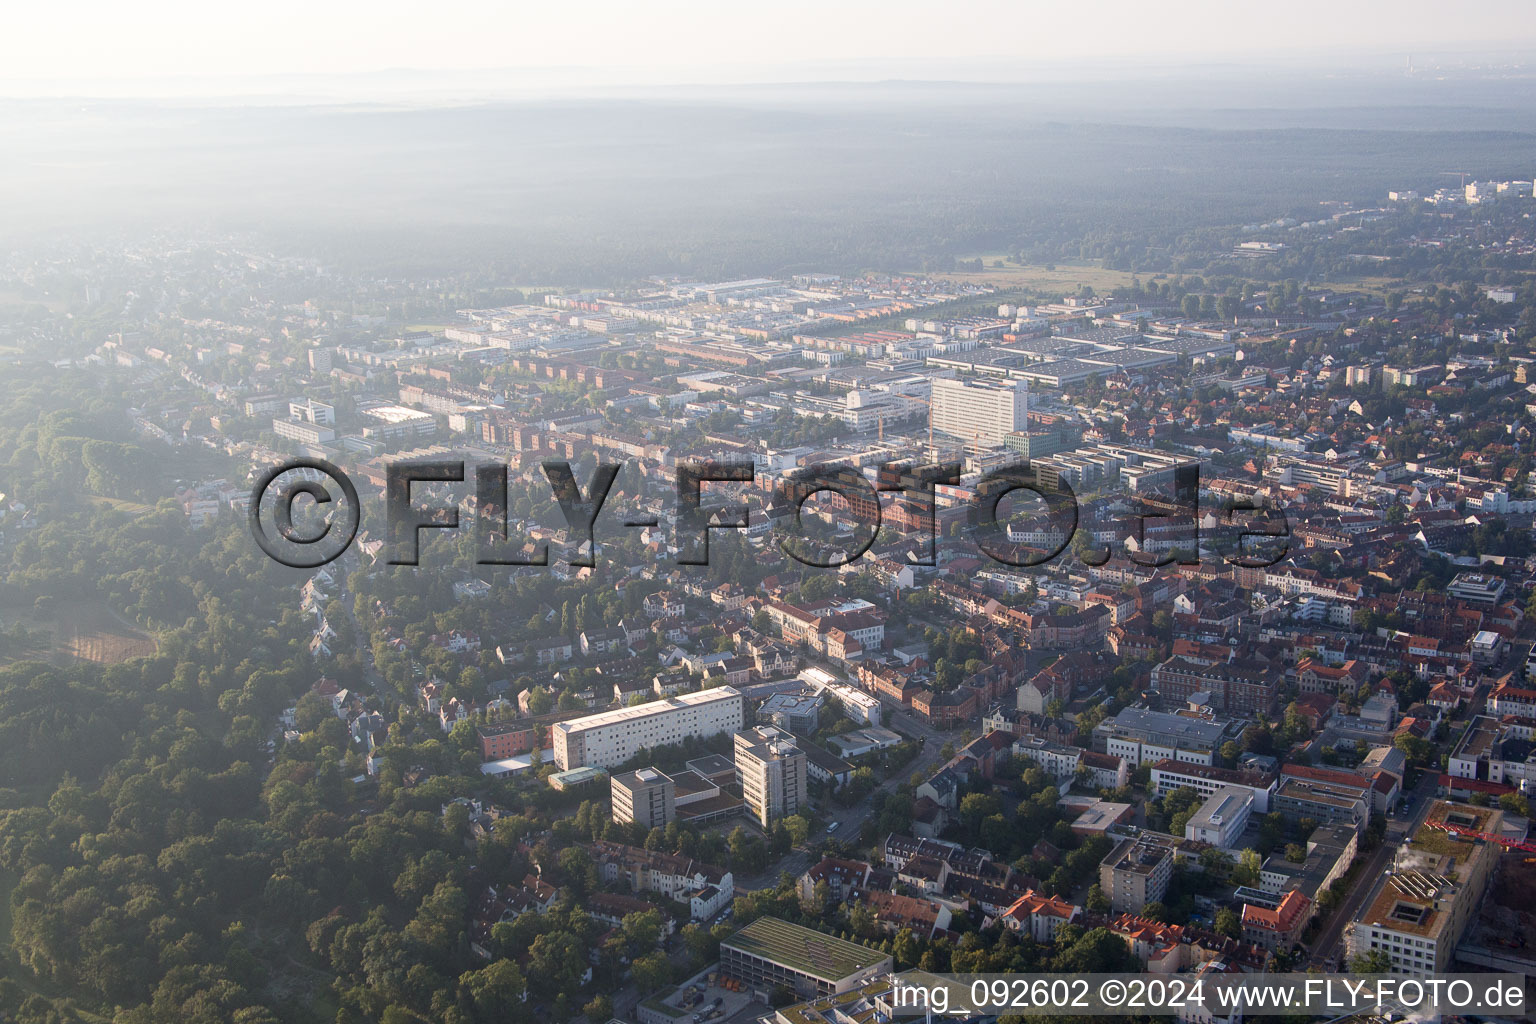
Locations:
(709, 1002)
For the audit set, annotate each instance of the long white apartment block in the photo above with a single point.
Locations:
(610, 738)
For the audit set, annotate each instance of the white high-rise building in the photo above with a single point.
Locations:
(981, 411)
(613, 737)
(772, 773)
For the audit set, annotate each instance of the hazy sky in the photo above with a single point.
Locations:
(74, 41)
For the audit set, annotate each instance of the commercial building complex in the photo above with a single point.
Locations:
(1437, 882)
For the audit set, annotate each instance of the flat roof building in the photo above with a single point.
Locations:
(985, 411)
(303, 431)
(770, 953)
(1136, 872)
(1221, 820)
(610, 738)
(773, 774)
(1170, 775)
(647, 797)
(1143, 736)
(1434, 888)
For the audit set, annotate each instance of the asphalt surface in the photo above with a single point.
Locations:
(1328, 947)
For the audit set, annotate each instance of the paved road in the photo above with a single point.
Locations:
(851, 820)
(1327, 948)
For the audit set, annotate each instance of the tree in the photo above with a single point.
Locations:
(1228, 923)
(1096, 901)
(905, 948)
(976, 806)
(1417, 751)
(701, 944)
(495, 992)
(642, 930)
(1373, 961)
(1247, 870)
(652, 973)
(557, 962)
(1097, 951)
(799, 827)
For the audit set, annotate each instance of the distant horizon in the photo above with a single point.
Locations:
(173, 48)
(1515, 67)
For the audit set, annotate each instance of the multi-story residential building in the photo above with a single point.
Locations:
(1430, 896)
(1056, 760)
(705, 888)
(501, 740)
(841, 876)
(1278, 927)
(646, 797)
(1236, 687)
(772, 772)
(612, 737)
(1136, 872)
(1039, 916)
(985, 411)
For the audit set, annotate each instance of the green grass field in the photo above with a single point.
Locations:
(1067, 278)
(1053, 279)
(131, 508)
(7, 884)
(16, 299)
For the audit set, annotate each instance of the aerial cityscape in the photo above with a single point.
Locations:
(780, 547)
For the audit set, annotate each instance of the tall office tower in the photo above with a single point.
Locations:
(983, 411)
(772, 772)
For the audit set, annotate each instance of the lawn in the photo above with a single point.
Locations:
(15, 299)
(128, 508)
(84, 631)
(1056, 279)
(7, 883)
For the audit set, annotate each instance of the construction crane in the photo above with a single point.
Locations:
(1472, 833)
(1463, 174)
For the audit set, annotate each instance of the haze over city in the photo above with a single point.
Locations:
(716, 514)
